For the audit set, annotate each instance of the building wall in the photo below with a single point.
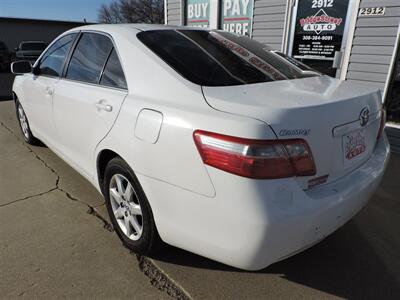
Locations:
(268, 19)
(373, 44)
(174, 12)
(269, 22)
(13, 31)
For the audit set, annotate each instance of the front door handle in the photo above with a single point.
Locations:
(106, 107)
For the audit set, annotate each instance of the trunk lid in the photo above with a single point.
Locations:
(321, 110)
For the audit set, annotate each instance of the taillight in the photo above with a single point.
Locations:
(382, 124)
(260, 159)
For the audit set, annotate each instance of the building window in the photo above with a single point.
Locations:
(237, 16)
(197, 13)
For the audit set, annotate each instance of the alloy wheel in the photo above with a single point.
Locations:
(126, 207)
(23, 122)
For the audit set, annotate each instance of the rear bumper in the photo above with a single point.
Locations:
(328, 208)
(251, 224)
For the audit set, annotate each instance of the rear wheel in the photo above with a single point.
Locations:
(128, 208)
(24, 125)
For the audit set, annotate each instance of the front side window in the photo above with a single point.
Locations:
(52, 61)
(89, 57)
(216, 58)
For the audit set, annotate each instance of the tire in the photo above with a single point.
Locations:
(24, 125)
(131, 216)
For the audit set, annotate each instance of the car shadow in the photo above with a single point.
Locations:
(344, 264)
(361, 260)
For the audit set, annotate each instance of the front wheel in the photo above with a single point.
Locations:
(128, 208)
(24, 125)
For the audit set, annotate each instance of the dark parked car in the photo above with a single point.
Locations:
(5, 57)
(29, 50)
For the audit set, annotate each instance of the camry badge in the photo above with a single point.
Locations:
(364, 116)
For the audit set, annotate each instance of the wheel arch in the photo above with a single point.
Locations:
(103, 159)
(14, 96)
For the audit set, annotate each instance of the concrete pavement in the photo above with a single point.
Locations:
(51, 247)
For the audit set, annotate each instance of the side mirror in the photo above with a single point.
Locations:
(36, 70)
(21, 67)
(16, 49)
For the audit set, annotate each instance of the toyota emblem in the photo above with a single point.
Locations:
(364, 116)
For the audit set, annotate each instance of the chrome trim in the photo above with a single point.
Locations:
(355, 125)
(94, 84)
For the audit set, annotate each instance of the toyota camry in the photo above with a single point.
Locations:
(205, 140)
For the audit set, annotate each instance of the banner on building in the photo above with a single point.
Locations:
(237, 16)
(319, 28)
(198, 13)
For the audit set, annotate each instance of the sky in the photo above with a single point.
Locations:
(65, 10)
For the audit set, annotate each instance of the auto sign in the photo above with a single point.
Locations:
(319, 28)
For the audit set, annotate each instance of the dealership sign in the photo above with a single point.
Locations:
(198, 13)
(237, 16)
(319, 28)
(320, 22)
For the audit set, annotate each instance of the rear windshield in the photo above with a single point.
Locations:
(217, 58)
(33, 46)
(297, 63)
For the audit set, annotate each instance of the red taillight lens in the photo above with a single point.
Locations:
(301, 157)
(383, 122)
(260, 159)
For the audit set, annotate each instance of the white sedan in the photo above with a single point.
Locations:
(205, 140)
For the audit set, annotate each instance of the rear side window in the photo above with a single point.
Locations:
(89, 57)
(113, 74)
(52, 61)
(217, 58)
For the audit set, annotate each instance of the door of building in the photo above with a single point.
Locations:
(318, 33)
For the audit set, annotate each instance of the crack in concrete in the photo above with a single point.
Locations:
(106, 225)
(160, 280)
(91, 209)
(28, 197)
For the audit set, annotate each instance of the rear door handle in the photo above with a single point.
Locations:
(49, 91)
(106, 107)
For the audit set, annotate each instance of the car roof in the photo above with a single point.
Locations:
(137, 26)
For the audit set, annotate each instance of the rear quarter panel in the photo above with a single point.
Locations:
(174, 158)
